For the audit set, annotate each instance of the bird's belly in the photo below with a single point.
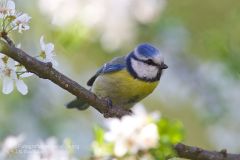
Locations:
(122, 88)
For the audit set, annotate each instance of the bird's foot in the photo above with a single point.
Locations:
(115, 111)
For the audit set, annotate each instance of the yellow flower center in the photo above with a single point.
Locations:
(5, 59)
(43, 55)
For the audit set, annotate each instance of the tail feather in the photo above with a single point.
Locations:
(77, 103)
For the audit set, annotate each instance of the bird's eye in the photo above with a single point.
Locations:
(150, 62)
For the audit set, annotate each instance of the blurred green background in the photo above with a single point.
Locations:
(200, 42)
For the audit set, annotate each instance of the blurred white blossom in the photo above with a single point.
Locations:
(50, 150)
(12, 73)
(10, 144)
(114, 20)
(133, 133)
(145, 11)
(47, 52)
(61, 11)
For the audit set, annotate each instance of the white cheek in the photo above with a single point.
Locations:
(144, 70)
(158, 59)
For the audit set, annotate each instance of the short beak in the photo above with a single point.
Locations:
(164, 66)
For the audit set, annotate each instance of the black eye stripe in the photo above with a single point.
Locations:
(148, 61)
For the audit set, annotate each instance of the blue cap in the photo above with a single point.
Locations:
(147, 50)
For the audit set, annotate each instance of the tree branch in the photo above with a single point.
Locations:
(195, 153)
(46, 71)
(7, 39)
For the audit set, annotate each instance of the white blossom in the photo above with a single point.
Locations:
(8, 73)
(7, 8)
(115, 20)
(12, 20)
(47, 52)
(21, 22)
(10, 144)
(133, 133)
(50, 150)
(45, 150)
(147, 137)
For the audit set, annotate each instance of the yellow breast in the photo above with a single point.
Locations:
(122, 88)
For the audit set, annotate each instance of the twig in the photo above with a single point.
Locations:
(195, 153)
(7, 39)
(46, 71)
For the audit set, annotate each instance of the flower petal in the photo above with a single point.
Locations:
(21, 87)
(19, 45)
(120, 148)
(25, 75)
(11, 64)
(11, 143)
(2, 64)
(2, 55)
(42, 44)
(7, 85)
(54, 62)
(13, 75)
(10, 5)
(49, 48)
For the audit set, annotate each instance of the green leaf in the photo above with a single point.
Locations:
(99, 134)
(170, 133)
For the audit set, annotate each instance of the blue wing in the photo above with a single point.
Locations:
(115, 65)
(112, 68)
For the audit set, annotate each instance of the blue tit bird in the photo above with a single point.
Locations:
(126, 80)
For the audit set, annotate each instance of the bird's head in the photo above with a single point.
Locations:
(146, 62)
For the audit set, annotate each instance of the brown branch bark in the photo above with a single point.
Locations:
(46, 71)
(195, 153)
